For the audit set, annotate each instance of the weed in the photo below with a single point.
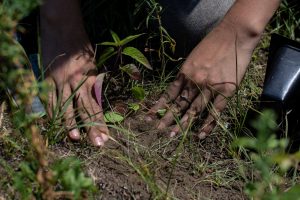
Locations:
(36, 178)
(121, 51)
(166, 41)
(287, 20)
(119, 48)
(161, 164)
(270, 160)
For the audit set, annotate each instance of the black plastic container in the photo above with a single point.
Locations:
(281, 91)
(282, 81)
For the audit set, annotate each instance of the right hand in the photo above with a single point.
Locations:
(208, 77)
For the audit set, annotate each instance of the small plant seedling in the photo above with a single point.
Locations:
(117, 47)
(268, 153)
(68, 172)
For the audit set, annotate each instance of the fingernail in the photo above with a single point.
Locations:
(148, 119)
(202, 135)
(160, 126)
(172, 134)
(74, 134)
(104, 137)
(99, 142)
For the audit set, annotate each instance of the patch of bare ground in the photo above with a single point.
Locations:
(144, 164)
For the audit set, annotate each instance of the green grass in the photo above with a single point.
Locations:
(165, 168)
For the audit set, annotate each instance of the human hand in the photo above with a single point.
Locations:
(72, 79)
(68, 57)
(208, 77)
(215, 67)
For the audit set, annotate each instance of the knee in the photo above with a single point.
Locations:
(188, 22)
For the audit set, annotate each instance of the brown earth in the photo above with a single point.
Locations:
(141, 164)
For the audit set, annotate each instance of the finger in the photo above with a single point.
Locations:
(169, 117)
(187, 96)
(180, 105)
(171, 93)
(91, 114)
(214, 113)
(184, 123)
(69, 114)
(198, 105)
(52, 98)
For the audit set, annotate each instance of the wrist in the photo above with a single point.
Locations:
(249, 18)
(247, 35)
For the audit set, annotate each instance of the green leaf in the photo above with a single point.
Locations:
(137, 55)
(169, 40)
(113, 117)
(107, 53)
(108, 44)
(85, 182)
(245, 142)
(161, 112)
(115, 38)
(134, 106)
(138, 93)
(132, 71)
(68, 172)
(292, 193)
(129, 39)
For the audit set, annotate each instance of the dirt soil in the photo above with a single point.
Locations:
(143, 163)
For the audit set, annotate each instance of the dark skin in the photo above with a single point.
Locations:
(68, 55)
(215, 67)
(209, 74)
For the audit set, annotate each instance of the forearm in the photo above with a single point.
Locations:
(61, 12)
(61, 23)
(63, 17)
(248, 18)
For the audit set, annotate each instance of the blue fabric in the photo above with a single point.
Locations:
(37, 106)
(35, 65)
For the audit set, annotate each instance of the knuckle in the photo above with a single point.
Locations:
(200, 78)
(177, 82)
(75, 80)
(230, 86)
(194, 109)
(225, 88)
